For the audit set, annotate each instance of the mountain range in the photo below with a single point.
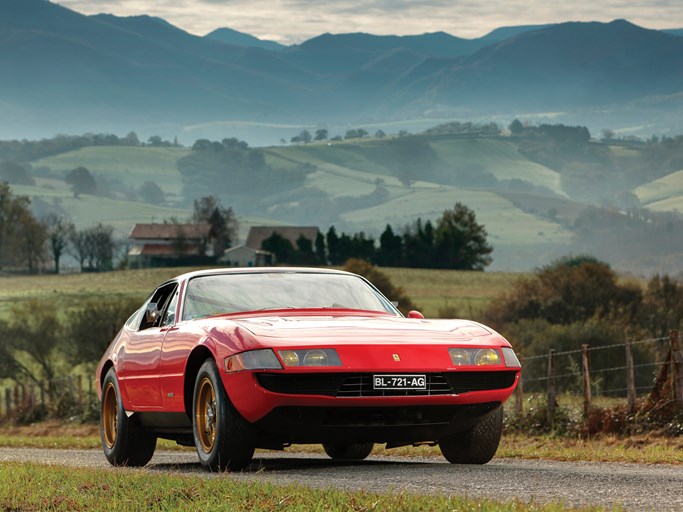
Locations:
(64, 72)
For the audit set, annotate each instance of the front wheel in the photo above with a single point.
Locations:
(477, 445)
(125, 442)
(222, 436)
(348, 451)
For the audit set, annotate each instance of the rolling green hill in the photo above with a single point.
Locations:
(132, 165)
(363, 185)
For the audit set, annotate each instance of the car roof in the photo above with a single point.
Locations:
(258, 270)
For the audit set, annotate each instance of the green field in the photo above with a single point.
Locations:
(131, 165)
(431, 290)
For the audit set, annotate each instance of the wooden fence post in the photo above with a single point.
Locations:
(551, 389)
(676, 368)
(519, 397)
(586, 381)
(630, 379)
(79, 385)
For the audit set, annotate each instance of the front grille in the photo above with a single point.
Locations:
(347, 385)
(463, 382)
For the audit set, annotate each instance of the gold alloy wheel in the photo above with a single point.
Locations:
(110, 409)
(205, 414)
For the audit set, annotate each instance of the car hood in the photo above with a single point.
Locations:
(293, 330)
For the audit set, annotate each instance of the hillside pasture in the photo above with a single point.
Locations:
(498, 157)
(665, 193)
(505, 223)
(132, 165)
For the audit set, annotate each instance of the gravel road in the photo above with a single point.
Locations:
(636, 487)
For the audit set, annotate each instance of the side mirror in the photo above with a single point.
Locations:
(415, 314)
(152, 314)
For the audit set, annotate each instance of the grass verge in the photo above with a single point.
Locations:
(648, 449)
(37, 487)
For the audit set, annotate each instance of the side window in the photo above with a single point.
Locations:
(169, 314)
(154, 308)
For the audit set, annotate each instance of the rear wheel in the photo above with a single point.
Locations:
(125, 442)
(222, 437)
(348, 451)
(477, 445)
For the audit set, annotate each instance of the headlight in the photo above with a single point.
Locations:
(474, 356)
(510, 358)
(252, 360)
(487, 356)
(460, 356)
(310, 357)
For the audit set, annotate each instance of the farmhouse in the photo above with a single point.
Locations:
(170, 244)
(243, 256)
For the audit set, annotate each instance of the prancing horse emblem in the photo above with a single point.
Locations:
(396, 357)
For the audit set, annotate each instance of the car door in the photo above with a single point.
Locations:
(139, 372)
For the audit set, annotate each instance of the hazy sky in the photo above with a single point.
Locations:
(292, 21)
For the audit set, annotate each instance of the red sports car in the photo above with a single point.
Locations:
(231, 360)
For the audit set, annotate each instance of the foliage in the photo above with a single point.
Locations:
(15, 173)
(566, 292)
(59, 232)
(150, 192)
(94, 247)
(22, 236)
(88, 330)
(382, 282)
(230, 169)
(224, 225)
(81, 181)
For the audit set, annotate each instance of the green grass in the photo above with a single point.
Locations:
(431, 290)
(132, 165)
(505, 223)
(38, 487)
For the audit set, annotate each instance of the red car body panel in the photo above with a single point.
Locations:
(152, 364)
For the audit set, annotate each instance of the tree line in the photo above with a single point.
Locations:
(456, 241)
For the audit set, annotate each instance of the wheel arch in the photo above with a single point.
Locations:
(194, 362)
(103, 373)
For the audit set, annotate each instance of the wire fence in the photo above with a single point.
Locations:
(59, 395)
(651, 368)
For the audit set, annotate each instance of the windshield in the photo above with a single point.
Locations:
(233, 293)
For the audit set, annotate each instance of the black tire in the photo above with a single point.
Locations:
(348, 451)
(477, 445)
(222, 436)
(124, 441)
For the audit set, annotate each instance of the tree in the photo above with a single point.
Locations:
(320, 250)
(35, 333)
(280, 247)
(390, 248)
(59, 232)
(380, 134)
(460, 241)
(516, 127)
(94, 247)
(381, 282)
(15, 174)
(333, 247)
(224, 225)
(81, 181)
(321, 134)
(22, 237)
(151, 193)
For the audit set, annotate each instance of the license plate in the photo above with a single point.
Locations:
(399, 382)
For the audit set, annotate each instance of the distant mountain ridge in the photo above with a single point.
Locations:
(230, 36)
(66, 72)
